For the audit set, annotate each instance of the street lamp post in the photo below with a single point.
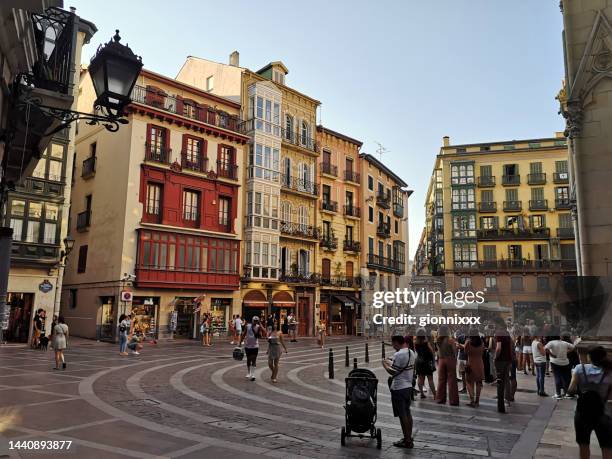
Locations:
(68, 246)
(114, 70)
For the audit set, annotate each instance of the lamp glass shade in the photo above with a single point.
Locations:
(68, 244)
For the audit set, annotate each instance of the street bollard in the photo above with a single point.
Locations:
(346, 358)
(383, 349)
(331, 364)
(355, 363)
(367, 354)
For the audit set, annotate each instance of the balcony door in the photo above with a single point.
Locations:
(287, 171)
(541, 254)
(304, 262)
(285, 261)
(326, 269)
(515, 254)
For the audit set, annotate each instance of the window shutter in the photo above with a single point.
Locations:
(179, 105)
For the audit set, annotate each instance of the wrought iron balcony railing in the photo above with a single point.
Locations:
(538, 178)
(299, 278)
(511, 180)
(513, 206)
(227, 170)
(383, 230)
(299, 230)
(328, 242)
(351, 246)
(486, 181)
(329, 169)
(538, 204)
(568, 265)
(352, 211)
(193, 162)
(189, 109)
(299, 139)
(386, 264)
(497, 234)
(487, 206)
(329, 206)
(561, 177)
(565, 233)
(339, 281)
(157, 153)
(383, 200)
(300, 185)
(563, 203)
(351, 176)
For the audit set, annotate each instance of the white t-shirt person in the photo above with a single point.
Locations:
(560, 349)
(403, 358)
(238, 324)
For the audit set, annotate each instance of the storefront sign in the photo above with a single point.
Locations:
(45, 286)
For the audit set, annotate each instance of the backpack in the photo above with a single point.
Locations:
(589, 401)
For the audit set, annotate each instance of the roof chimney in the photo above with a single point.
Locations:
(445, 141)
(234, 59)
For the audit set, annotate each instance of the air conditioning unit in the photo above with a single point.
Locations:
(126, 296)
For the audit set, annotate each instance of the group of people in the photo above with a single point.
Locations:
(494, 354)
(251, 334)
(58, 338)
(129, 336)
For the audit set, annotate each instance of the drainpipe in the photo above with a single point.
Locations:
(576, 215)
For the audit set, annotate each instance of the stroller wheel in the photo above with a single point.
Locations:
(343, 436)
(378, 438)
(373, 432)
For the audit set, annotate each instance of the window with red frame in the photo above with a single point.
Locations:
(157, 150)
(225, 206)
(191, 204)
(226, 161)
(154, 199)
(193, 153)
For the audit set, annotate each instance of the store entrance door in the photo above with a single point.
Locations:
(20, 317)
(304, 318)
(185, 318)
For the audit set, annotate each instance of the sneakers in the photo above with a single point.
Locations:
(557, 397)
(252, 377)
(135, 353)
(569, 397)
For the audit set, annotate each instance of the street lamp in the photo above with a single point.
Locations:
(114, 70)
(68, 246)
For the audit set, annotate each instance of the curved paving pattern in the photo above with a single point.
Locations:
(182, 400)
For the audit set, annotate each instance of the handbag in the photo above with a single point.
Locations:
(238, 353)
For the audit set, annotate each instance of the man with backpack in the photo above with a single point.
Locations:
(250, 337)
(593, 384)
(401, 369)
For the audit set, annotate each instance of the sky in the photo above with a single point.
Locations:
(402, 73)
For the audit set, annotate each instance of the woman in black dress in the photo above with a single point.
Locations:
(425, 364)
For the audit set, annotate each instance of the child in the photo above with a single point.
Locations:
(134, 345)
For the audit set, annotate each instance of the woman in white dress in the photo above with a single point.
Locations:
(60, 335)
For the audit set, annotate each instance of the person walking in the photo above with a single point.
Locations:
(474, 369)
(425, 363)
(447, 367)
(539, 361)
(124, 329)
(37, 327)
(321, 333)
(461, 357)
(401, 369)
(503, 363)
(560, 364)
(231, 328)
(275, 341)
(593, 384)
(60, 342)
(250, 337)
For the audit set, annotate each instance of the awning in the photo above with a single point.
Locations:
(283, 304)
(346, 300)
(255, 304)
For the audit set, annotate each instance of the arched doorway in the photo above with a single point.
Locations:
(254, 303)
(282, 304)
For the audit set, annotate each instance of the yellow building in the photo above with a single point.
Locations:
(280, 233)
(498, 220)
(340, 230)
(384, 231)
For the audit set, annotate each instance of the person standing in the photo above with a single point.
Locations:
(124, 329)
(593, 384)
(292, 327)
(237, 330)
(503, 363)
(269, 323)
(203, 331)
(250, 336)
(60, 337)
(539, 361)
(527, 352)
(560, 365)
(321, 333)
(425, 363)
(231, 327)
(401, 369)
(37, 329)
(474, 369)
(447, 367)
(461, 358)
(275, 341)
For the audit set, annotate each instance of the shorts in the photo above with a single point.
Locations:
(602, 428)
(527, 350)
(518, 349)
(461, 365)
(400, 400)
(251, 355)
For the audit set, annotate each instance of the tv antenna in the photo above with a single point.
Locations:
(381, 150)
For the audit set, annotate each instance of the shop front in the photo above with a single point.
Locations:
(341, 312)
(107, 318)
(282, 304)
(145, 313)
(20, 317)
(185, 318)
(220, 311)
(254, 303)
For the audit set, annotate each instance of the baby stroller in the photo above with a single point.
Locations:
(360, 407)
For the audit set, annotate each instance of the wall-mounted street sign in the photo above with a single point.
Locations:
(45, 286)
